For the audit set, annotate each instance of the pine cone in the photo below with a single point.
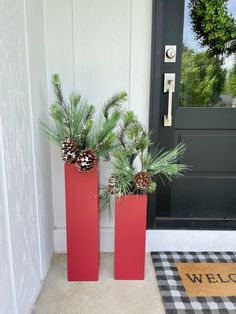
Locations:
(69, 150)
(86, 160)
(142, 180)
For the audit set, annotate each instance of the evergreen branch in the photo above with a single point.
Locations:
(123, 173)
(79, 117)
(129, 118)
(132, 155)
(104, 148)
(56, 113)
(165, 163)
(75, 99)
(83, 137)
(56, 82)
(115, 101)
(102, 135)
(152, 187)
(130, 122)
(56, 135)
(105, 201)
(89, 112)
(108, 126)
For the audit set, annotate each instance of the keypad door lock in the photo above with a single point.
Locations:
(170, 53)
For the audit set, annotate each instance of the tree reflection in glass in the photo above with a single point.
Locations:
(208, 76)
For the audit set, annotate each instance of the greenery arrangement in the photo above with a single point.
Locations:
(81, 139)
(213, 25)
(135, 163)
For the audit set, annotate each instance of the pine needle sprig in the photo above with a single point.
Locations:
(56, 113)
(89, 112)
(106, 146)
(108, 126)
(132, 136)
(75, 99)
(102, 134)
(115, 101)
(166, 163)
(56, 82)
(129, 121)
(104, 198)
(56, 133)
(85, 126)
(123, 172)
(83, 136)
(79, 116)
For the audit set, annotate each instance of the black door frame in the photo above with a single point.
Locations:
(157, 69)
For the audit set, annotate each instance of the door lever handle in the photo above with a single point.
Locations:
(169, 87)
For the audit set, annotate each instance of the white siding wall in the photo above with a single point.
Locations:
(26, 223)
(98, 47)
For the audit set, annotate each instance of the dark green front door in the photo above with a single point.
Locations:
(203, 112)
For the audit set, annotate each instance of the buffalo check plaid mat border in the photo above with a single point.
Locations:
(173, 292)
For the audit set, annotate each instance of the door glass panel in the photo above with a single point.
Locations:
(208, 75)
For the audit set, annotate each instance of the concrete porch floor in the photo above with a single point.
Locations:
(107, 296)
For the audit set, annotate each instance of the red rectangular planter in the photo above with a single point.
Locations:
(130, 237)
(82, 223)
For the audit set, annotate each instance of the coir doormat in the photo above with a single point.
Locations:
(175, 294)
(208, 279)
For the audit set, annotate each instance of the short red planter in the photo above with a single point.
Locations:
(130, 237)
(82, 223)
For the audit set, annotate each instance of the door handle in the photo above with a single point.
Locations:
(169, 87)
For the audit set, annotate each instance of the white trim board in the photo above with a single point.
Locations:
(164, 240)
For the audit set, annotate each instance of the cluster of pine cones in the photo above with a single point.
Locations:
(141, 181)
(84, 160)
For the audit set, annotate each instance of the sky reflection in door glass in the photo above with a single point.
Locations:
(208, 75)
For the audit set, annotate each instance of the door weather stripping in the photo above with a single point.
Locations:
(169, 87)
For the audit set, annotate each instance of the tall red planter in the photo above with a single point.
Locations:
(82, 223)
(130, 237)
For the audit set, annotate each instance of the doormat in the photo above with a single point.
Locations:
(175, 298)
(208, 279)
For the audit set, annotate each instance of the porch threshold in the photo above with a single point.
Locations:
(194, 224)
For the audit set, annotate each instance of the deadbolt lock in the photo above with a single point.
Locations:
(170, 53)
